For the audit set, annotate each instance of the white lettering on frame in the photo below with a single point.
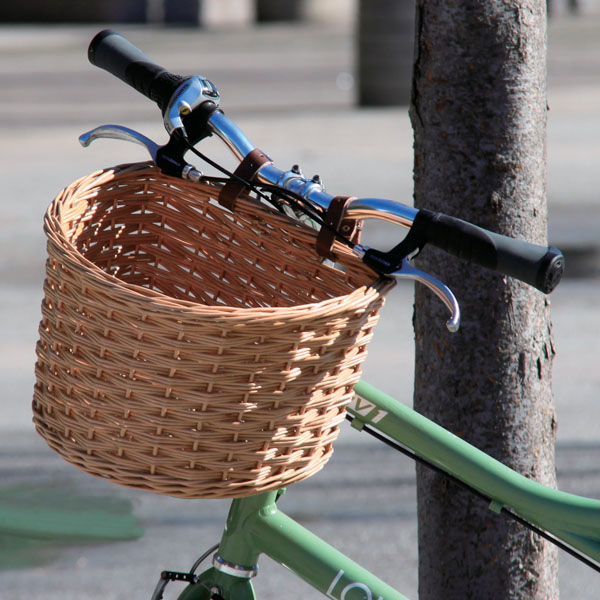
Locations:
(351, 586)
(365, 408)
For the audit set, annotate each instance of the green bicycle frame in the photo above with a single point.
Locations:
(255, 525)
(571, 518)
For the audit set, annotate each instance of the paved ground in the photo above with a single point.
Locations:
(289, 90)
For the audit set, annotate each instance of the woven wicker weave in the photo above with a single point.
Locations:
(188, 350)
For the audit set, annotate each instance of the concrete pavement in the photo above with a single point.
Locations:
(289, 89)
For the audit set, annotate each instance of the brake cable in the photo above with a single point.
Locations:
(295, 200)
(460, 483)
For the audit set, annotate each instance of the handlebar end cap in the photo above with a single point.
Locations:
(551, 270)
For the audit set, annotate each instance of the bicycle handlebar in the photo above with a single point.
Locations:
(539, 266)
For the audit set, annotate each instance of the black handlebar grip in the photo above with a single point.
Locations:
(112, 52)
(539, 266)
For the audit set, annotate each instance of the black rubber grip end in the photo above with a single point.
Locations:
(110, 51)
(539, 266)
(552, 267)
(97, 42)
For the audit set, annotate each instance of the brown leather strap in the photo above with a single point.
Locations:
(246, 170)
(349, 228)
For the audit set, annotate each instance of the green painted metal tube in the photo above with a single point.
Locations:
(315, 561)
(237, 545)
(574, 519)
(256, 526)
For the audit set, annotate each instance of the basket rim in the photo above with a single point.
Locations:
(159, 300)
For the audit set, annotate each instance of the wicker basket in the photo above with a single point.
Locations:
(188, 350)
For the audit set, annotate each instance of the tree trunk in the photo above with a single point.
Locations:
(479, 117)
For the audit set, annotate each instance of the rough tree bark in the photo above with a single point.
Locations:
(479, 117)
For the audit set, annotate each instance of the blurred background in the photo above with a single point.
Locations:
(309, 82)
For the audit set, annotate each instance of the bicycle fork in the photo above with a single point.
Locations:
(256, 526)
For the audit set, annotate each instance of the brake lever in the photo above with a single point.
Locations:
(441, 290)
(118, 132)
(169, 162)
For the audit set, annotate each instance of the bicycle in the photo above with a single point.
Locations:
(255, 524)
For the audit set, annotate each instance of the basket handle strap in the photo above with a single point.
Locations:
(246, 171)
(349, 228)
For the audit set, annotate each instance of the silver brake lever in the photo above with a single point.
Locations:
(118, 132)
(441, 290)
